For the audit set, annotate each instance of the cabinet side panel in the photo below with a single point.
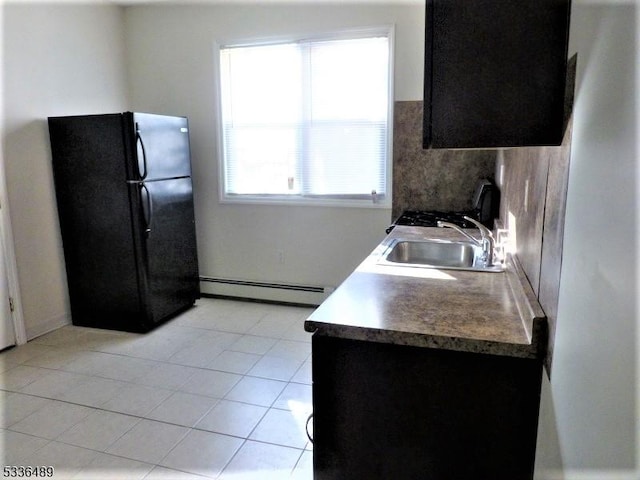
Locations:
(388, 411)
(428, 72)
(95, 220)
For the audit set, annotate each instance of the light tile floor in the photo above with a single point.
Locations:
(221, 391)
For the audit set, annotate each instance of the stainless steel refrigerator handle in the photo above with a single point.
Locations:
(148, 217)
(143, 174)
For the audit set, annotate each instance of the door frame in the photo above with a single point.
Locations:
(11, 264)
(17, 314)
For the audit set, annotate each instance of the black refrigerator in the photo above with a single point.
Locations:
(125, 203)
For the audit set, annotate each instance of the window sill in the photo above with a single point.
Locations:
(304, 202)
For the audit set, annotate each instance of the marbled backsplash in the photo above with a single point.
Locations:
(533, 185)
(432, 179)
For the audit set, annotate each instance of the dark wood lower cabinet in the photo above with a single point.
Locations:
(385, 411)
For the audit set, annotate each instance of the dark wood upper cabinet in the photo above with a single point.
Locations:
(495, 73)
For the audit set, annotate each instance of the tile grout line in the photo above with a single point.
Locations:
(139, 418)
(135, 381)
(93, 346)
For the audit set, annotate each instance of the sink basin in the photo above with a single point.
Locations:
(441, 254)
(436, 254)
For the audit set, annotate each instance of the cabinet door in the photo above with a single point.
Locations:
(385, 411)
(495, 73)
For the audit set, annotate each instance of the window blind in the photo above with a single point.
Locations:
(306, 119)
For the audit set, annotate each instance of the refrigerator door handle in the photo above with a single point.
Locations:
(147, 208)
(141, 153)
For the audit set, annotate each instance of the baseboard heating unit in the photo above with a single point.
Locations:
(271, 291)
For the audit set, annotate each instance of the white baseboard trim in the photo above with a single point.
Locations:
(48, 325)
(275, 292)
(570, 474)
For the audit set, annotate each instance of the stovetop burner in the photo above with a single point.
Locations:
(422, 218)
(485, 205)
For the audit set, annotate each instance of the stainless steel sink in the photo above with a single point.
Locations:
(436, 254)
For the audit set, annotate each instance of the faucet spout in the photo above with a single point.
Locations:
(455, 227)
(486, 241)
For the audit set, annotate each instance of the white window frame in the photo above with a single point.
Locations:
(374, 201)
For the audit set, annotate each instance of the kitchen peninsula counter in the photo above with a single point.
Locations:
(477, 312)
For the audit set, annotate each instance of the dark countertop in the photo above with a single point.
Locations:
(495, 313)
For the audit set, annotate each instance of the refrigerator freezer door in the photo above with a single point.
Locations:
(161, 146)
(170, 244)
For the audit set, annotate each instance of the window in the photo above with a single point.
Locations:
(307, 121)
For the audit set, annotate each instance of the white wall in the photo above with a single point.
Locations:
(57, 60)
(171, 67)
(589, 422)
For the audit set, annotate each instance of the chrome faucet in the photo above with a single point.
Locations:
(486, 241)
